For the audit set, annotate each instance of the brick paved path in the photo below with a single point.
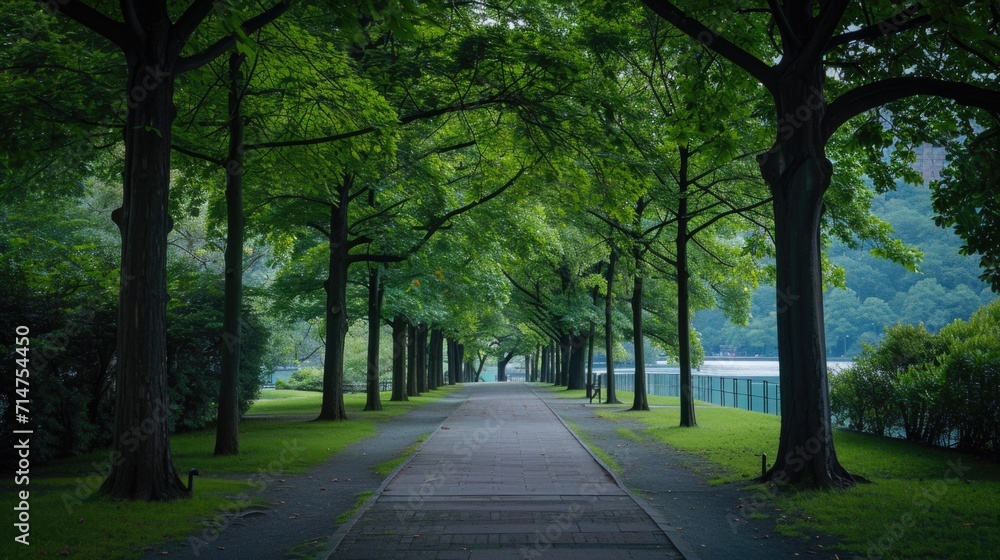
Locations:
(502, 478)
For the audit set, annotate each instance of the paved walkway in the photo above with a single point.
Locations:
(503, 478)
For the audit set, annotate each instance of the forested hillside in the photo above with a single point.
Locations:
(878, 292)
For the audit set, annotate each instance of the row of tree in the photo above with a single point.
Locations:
(516, 179)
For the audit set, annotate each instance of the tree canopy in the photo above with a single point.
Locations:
(500, 180)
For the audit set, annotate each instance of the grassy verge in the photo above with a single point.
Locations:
(386, 468)
(277, 437)
(362, 497)
(601, 454)
(922, 504)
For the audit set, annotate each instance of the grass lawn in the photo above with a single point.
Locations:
(923, 503)
(277, 437)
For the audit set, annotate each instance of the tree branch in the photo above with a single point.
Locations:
(436, 224)
(874, 95)
(826, 24)
(132, 19)
(251, 25)
(884, 28)
(784, 26)
(729, 212)
(381, 212)
(196, 155)
(373, 128)
(319, 228)
(114, 31)
(377, 258)
(192, 17)
(712, 40)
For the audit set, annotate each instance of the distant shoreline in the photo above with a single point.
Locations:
(762, 359)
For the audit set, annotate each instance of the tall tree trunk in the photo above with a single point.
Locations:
(590, 361)
(227, 441)
(568, 350)
(502, 367)
(453, 362)
(544, 376)
(398, 360)
(559, 362)
(421, 358)
(460, 362)
(336, 307)
(373, 399)
(411, 361)
(529, 367)
(145, 470)
(479, 369)
(435, 370)
(798, 174)
(609, 331)
(639, 401)
(575, 377)
(683, 298)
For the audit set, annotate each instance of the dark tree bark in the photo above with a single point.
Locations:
(590, 361)
(577, 367)
(459, 363)
(683, 297)
(478, 371)
(544, 375)
(145, 471)
(420, 357)
(373, 399)
(639, 401)
(336, 306)
(502, 366)
(609, 330)
(152, 44)
(798, 174)
(562, 363)
(398, 360)
(435, 368)
(411, 361)
(228, 425)
(453, 362)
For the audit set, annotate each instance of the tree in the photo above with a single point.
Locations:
(965, 200)
(152, 44)
(799, 174)
(228, 426)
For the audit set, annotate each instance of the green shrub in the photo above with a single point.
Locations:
(972, 380)
(305, 379)
(858, 398)
(884, 391)
(939, 389)
(919, 398)
(194, 353)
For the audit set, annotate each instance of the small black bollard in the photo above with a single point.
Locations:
(763, 464)
(191, 474)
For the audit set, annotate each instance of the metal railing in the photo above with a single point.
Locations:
(750, 393)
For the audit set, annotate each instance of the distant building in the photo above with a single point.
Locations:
(930, 161)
